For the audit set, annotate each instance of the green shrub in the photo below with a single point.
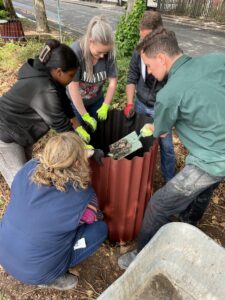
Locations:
(127, 36)
(119, 98)
(3, 14)
(2, 5)
(127, 33)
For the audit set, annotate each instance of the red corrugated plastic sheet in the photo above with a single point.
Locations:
(12, 30)
(123, 186)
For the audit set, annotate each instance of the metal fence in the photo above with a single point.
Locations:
(207, 9)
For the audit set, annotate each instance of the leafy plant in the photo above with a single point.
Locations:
(3, 14)
(127, 36)
(120, 94)
(127, 33)
(1, 4)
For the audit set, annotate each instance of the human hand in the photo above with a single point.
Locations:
(129, 111)
(83, 134)
(147, 130)
(98, 156)
(102, 112)
(90, 121)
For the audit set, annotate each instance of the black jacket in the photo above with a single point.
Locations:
(146, 85)
(34, 104)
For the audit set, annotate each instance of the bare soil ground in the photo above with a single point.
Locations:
(100, 270)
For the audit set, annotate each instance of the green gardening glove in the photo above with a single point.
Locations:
(83, 134)
(146, 131)
(90, 121)
(103, 111)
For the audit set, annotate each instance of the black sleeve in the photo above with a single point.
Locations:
(134, 69)
(49, 106)
(66, 103)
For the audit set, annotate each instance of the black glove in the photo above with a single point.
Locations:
(98, 155)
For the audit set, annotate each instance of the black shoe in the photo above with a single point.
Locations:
(63, 283)
(126, 259)
(185, 219)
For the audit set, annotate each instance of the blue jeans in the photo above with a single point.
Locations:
(190, 187)
(168, 161)
(94, 234)
(91, 109)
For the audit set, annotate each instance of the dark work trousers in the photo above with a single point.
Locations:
(186, 188)
(196, 209)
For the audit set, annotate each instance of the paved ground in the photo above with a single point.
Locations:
(195, 37)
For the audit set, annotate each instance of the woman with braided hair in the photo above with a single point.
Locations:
(35, 103)
(52, 222)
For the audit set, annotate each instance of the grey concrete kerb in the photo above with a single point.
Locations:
(200, 23)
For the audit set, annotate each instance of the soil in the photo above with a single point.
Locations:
(161, 289)
(100, 270)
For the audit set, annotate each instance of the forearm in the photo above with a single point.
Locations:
(111, 90)
(130, 91)
(75, 123)
(76, 97)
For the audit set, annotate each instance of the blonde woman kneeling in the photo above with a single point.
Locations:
(52, 222)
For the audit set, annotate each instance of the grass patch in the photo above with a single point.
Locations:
(13, 54)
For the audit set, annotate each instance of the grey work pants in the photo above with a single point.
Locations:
(12, 158)
(174, 198)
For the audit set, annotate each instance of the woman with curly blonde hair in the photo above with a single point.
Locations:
(53, 221)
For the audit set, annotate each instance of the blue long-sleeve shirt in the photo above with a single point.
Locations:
(38, 229)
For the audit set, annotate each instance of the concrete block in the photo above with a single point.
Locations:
(180, 262)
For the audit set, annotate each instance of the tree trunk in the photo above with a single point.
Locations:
(130, 5)
(9, 7)
(40, 15)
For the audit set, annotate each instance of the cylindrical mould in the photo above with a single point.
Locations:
(123, 186)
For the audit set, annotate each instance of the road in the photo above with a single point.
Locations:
(193, 39)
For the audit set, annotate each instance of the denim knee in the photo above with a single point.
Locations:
(167, 143)
(102, 228)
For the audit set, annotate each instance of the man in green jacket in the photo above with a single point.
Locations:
(192, 101)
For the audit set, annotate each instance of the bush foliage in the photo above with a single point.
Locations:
(127, 34)
(1, 4)
(3, 14)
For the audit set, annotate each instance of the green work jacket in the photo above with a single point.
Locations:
(193, 101)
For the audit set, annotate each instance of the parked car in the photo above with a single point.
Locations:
(151, 4)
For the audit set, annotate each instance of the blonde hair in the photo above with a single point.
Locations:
(100, 31)
(63, 161)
